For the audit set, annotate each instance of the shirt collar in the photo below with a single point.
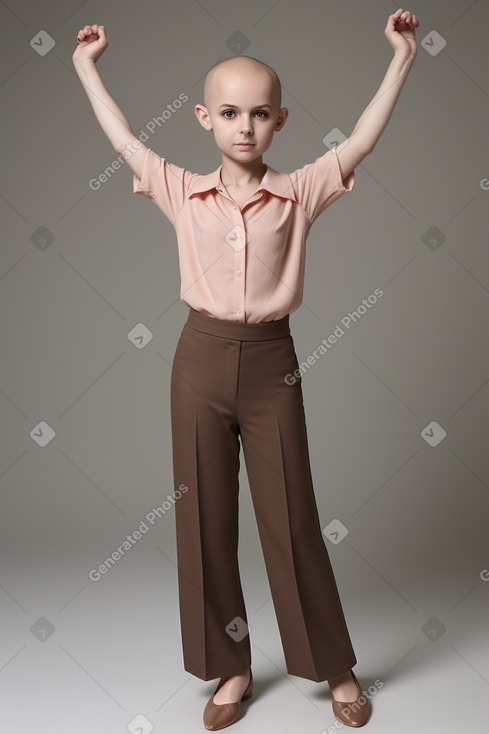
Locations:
(273, 181)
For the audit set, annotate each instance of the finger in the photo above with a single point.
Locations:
(400, 16)
(98, 30)
(393, 19)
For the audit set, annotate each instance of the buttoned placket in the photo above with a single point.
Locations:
(237, 238)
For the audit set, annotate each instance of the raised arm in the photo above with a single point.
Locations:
(400, 32)
(92, 42)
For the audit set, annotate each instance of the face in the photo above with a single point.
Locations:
(242, 107)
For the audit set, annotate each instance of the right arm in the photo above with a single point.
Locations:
(92, 42)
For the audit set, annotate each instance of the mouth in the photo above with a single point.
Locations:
(245, 145)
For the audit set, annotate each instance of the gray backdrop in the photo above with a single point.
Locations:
(397, 409)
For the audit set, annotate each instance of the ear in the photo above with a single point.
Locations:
(203, 116)
(281, 117)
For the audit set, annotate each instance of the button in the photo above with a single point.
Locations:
(237, 310)
(235, 206)
(238, 272)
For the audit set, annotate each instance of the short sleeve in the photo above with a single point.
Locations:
(163, 182)
(317, 185)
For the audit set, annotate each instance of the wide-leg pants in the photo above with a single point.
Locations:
(229, 381)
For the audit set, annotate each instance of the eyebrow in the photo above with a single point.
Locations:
(236, 106)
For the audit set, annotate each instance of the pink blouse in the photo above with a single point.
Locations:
(242, 264)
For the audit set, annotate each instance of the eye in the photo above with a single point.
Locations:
(259, 112)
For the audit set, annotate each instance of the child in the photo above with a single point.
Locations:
(241, 234)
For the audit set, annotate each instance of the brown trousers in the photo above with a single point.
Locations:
(228, 381)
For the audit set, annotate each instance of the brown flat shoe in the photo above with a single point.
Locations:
(219, 715)
(352, 713)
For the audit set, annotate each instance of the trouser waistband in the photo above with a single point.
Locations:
(263, 331)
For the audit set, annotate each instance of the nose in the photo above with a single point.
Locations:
(245, 126)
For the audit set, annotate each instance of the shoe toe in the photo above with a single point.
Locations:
(219, 715)
(352, 713)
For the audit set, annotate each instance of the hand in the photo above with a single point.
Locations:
(92, 42)
(400, 32)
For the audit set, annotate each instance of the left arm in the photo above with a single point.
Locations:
(400, 32)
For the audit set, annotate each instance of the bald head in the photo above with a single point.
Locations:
(225, 76)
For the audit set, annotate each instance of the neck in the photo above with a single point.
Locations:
(234, 173)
